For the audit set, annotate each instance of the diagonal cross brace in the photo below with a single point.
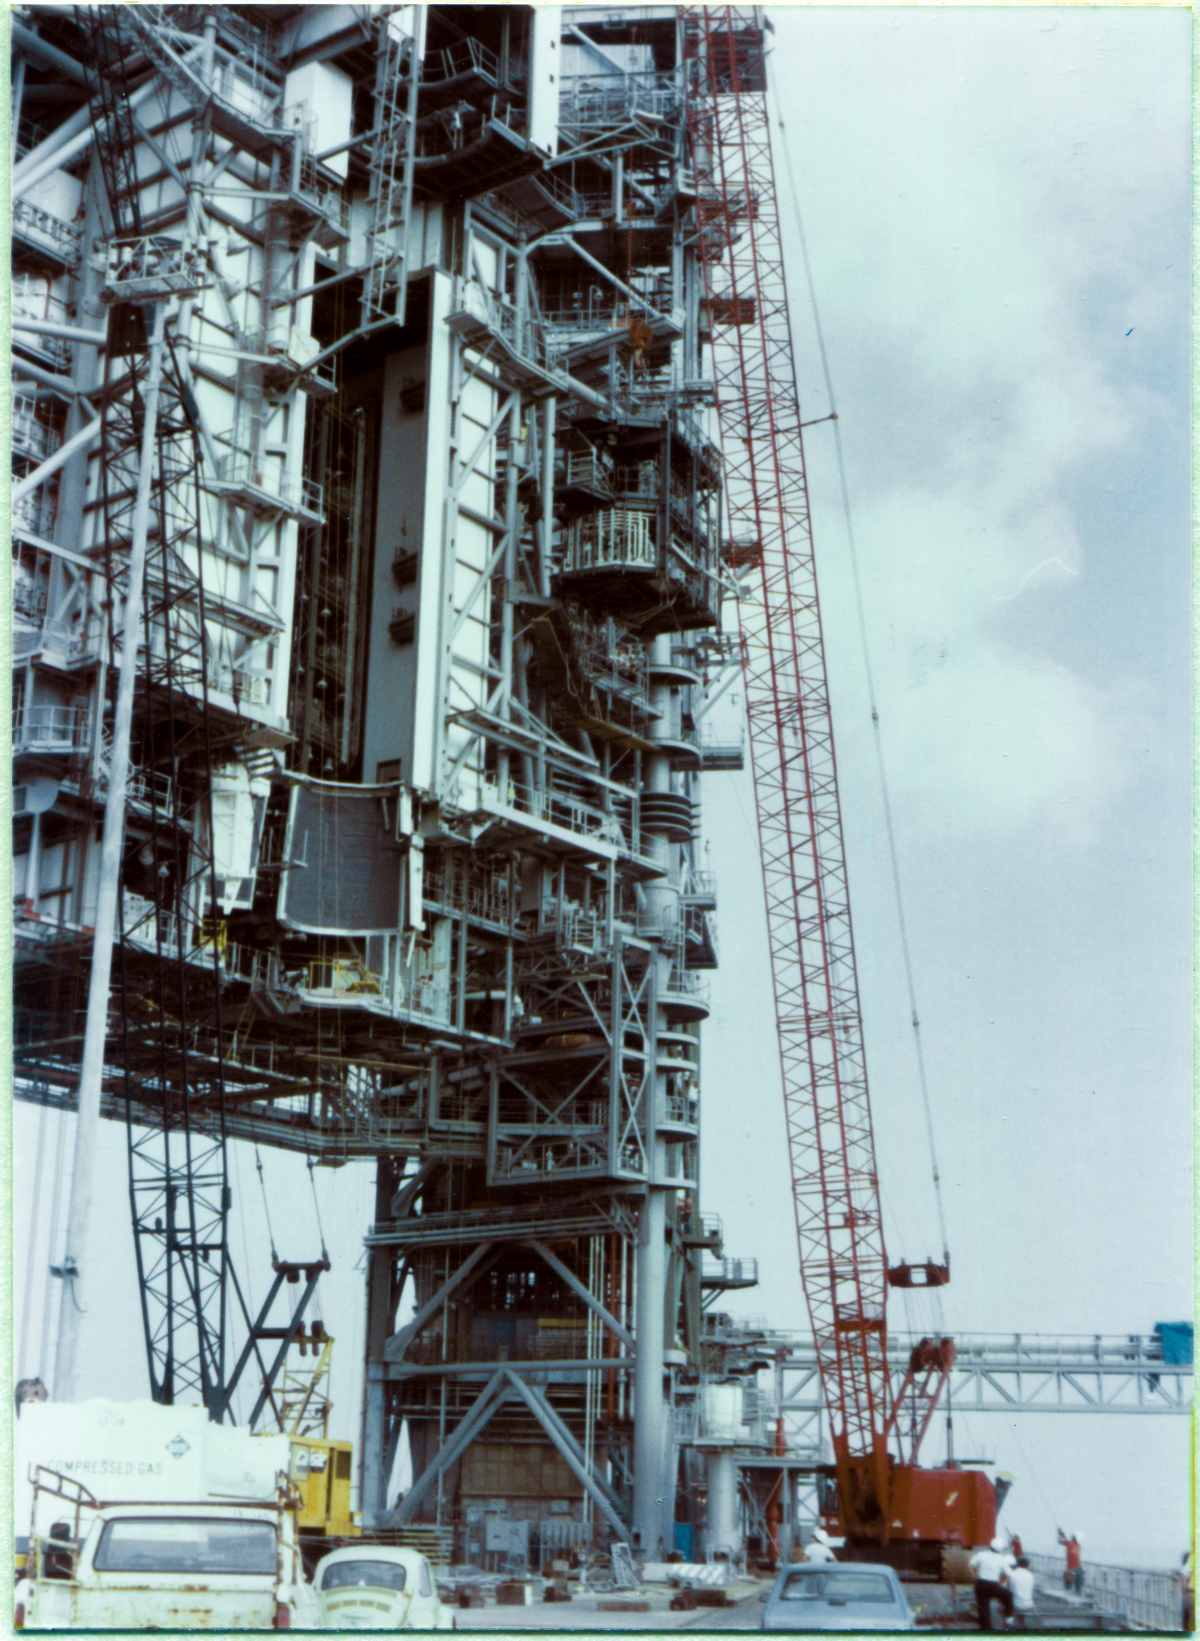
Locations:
(394, 1350)
(486, 1403)
(569, 1441)
(583, 1292)
(297, 1321)
(568, 1447)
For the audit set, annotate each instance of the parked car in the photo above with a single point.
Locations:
(378, 1587)
(854, 1595)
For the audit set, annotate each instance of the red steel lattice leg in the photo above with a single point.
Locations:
(832, 1150)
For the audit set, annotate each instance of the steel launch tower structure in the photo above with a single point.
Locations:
(403, 406)
(368, 346)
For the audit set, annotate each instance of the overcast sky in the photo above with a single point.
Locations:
(996, 204)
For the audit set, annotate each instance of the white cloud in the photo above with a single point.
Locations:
(981, 202)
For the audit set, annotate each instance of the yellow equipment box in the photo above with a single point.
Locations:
(321, 1472)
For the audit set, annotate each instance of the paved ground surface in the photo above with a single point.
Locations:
(582, 1614)
(946, 1606)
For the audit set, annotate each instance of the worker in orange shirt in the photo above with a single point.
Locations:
(1073, 1577)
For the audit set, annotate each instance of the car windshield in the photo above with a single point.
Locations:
(182, 1545)
(375, 1575)
(838, 1586)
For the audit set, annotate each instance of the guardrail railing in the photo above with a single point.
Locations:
(1148, 1599)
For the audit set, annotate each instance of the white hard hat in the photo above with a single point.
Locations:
(821, 1536)
(1078, 1537)
(998, 1544)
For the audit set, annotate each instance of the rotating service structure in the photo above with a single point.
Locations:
(405, 307)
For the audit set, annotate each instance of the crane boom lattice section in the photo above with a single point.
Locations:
(834, 1179)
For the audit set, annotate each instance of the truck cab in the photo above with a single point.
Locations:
(133, 1566)
(144, 1515)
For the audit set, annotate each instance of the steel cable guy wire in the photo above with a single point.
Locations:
(866, 652)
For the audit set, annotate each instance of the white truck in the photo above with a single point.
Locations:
(149, 1517)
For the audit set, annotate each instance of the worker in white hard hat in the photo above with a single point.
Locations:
(992, 1568)
(1073, 1545)
(819, 1549)
(1023, 1585)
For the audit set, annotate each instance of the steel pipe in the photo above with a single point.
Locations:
(81, 440)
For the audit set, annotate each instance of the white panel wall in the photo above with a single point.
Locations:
(473, 547)
(427, 708)
(325, 95)
(545, 73)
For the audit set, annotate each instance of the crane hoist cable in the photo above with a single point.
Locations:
(266, 1206)
(866, 654)
(312, 1180)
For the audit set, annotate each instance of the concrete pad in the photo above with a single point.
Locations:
(579, 1616)
(583, 1614)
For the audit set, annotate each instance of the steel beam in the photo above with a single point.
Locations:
(477, 1415)
(400, 1340)
(399, 1372)
(649, 1406)
(1027, 1373)
(583, 1292)
(555, 1429)
(564, 1439)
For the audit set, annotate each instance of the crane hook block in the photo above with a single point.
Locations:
(928, 1275)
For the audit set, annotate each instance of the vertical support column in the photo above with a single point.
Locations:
(546, 523)
(33, 862)
(653, 1466)
(507, 609)
(724, 1530)
(18, 89)
(789, 1533)
(381, 1303)
(662, 893)
(77, 1256)
(650, 1483)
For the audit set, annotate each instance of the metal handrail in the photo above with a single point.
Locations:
(589, 469)
(453, 61)
(32, 437)
(28, 136)
(52, 728)
(36, 511)
(604, 99)
(272, 483)
(1148, 1598)
(325, 192)
(617, 538)
(35, 221)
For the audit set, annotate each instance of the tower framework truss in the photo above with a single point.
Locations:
(379, 353)
(409, 866)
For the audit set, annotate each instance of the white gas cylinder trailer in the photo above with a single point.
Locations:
(141, 1516)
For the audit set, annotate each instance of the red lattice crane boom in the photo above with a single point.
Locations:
(832, 1150)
